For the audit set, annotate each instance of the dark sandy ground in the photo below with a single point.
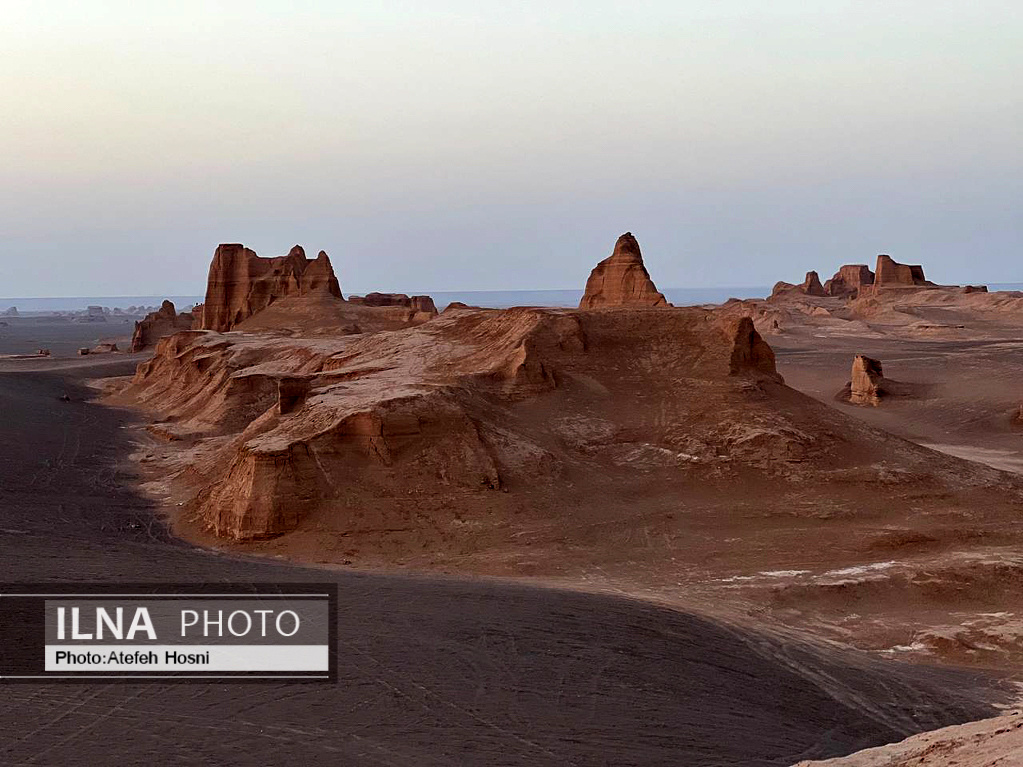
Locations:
(26, 335)
(432, 671)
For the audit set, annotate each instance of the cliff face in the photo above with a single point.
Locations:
(848, 280)
(163, 322)
(422, 307)
(621, 279)
(242, 283)
(890, 273)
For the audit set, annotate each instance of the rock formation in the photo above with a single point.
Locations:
(867, 384)
(419, 304)
(242, 283)
(889, 273)
(160, 323)
(848, 280)
(426, 410)
(811, 286)
(92, 314)
(621, 279)
(11, 312)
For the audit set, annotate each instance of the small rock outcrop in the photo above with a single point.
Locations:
(811, 286)
(242, 283)
(163, 322)
(621, 279)
(867, 384)
(11, 312)
(891, 274)
(848, 280)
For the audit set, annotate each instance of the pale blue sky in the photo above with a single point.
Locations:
(484, 145)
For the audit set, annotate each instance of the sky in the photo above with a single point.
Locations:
(478, 145)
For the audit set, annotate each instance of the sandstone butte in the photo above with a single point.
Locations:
(242, 283)
(848, 280)
(164, 321)
(621, 279)
(890, 273)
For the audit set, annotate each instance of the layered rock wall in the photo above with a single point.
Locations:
(848, 280)
(890, 273)
(242, 283)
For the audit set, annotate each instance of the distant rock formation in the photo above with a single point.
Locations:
(417, 303)
(12, 312)
(848, 280)
(242, 283)
(92, 314)
(456, 305)
(811, 286)
(890, 273)
(621, 279)
(160, 323)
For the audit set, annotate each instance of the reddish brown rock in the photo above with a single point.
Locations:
(750, 352)
(811, 286)
(867, 385)
(416, 303)
(890, 273)
(163, 322)
(621, 279)
(241, 283)
(848, 280)
(424, 304)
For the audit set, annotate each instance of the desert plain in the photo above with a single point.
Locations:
(754, 533)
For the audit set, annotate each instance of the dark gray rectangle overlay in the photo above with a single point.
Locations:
(27, 631)
(270, 620)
